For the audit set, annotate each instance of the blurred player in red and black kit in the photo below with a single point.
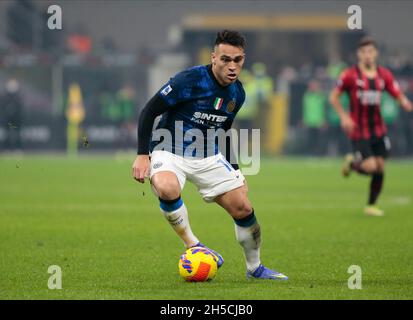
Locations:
(365, 127)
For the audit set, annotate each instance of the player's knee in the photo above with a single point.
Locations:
(370, 166)
(168, 190)
(380, 167)
(241, 209)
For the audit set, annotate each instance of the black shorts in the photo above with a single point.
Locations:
(374, 147)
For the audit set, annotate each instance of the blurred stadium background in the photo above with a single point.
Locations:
(98, 71)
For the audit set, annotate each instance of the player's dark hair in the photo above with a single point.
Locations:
(233, 38)
(367, 41)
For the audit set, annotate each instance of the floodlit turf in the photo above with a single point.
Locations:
(106, 232)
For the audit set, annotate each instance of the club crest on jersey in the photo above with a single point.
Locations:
(218, 103)
(166, 90)
(231, 105)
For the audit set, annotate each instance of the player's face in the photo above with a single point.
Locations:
(227, 62)
(367, 55)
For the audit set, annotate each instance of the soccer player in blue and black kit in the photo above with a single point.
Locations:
(195, 101)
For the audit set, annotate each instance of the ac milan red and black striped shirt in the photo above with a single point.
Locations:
(365, 96)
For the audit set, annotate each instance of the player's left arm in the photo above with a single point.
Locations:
(405, 103)
(230, 153)
(393, 87)
(229, 150)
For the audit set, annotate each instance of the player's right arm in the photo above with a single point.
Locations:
(155, 107)
(171, 94)
(343, 84)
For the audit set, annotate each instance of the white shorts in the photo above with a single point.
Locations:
(213, 175)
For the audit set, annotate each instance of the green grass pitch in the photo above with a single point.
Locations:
(106, 232)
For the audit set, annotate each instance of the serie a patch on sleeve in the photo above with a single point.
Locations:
(166, 90)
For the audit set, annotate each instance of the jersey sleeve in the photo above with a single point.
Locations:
(390, 84)
(155, 107)
(344, 82)
(178, 89)
(240, 99)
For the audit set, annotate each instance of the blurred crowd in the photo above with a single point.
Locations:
(314, 126)
(321, 133)
(115, 85)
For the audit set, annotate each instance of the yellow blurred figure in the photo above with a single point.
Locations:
(75, 114)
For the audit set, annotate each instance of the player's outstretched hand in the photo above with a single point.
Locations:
(140, 168)
(347, 124)
(407, 105)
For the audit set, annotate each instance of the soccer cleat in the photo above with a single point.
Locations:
(373, 211)
(264, 273)
(217, 257)
(346, 168)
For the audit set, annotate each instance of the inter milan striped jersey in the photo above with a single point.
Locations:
(197, 101)
(365, 98)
